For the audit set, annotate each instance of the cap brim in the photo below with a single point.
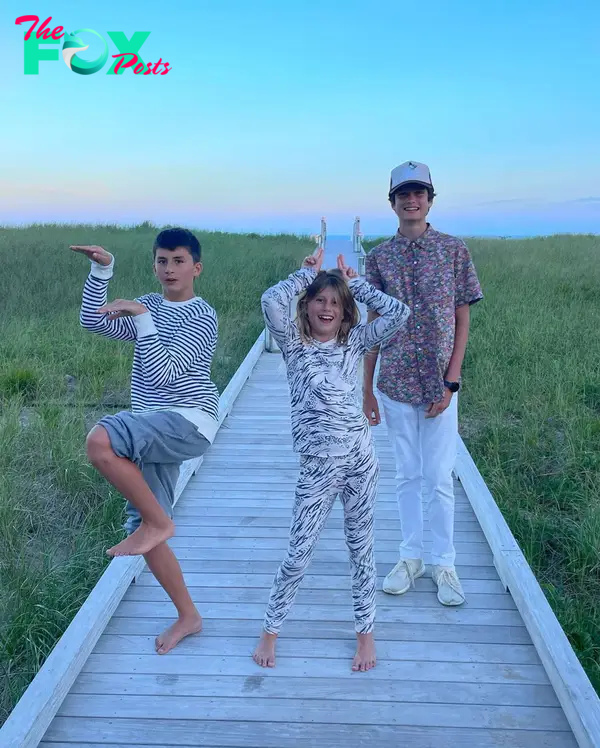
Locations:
(410, 181)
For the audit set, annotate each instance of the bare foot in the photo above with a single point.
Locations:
(182, 627)
(264, 654)
(144, 539)
(365, 658)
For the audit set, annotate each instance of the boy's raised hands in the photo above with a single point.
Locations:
(315, 260)
(93, 252)
(122, 308)
(348, 272)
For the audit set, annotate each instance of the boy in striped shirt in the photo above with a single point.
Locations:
(175, 404)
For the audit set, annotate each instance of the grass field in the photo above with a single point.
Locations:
(530, 414)
(57, 516)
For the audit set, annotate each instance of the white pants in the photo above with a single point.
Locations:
(425, 451)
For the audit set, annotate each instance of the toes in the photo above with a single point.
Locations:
(163, 648)
(257, 659)
(361, 666)
(264, 661)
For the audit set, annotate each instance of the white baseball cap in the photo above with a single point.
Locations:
(410, 172)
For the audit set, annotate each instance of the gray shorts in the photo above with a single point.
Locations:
(157, 442)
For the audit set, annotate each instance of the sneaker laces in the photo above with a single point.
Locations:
(449, 577)
(404, 563)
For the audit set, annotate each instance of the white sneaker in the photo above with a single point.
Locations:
(450, 591)
(400, 578)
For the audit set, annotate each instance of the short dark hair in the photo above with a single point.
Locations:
(173, 238)
(430, 192)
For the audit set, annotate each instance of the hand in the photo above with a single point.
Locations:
(122, 308)
(371, 408)
(315, 260)
(346, 271)
(93, 252)
(436, 408)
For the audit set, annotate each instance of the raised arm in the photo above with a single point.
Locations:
(391, 313)
(275, 301)
(95, 293)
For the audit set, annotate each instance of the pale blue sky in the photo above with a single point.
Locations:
(274, 114)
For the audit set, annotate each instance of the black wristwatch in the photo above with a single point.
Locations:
(452, 386)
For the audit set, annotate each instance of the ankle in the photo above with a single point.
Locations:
(186, 614)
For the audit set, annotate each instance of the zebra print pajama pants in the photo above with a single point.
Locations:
(321, 479)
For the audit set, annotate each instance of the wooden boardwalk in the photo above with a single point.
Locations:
(466, 677)
(493, 672)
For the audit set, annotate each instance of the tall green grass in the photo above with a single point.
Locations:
(530, 414)
(57, 516)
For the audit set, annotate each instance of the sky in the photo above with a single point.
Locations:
(274, 114)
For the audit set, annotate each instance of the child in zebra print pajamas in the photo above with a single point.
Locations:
(322, 351)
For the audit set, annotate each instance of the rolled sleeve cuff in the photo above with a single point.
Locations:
(470, 300)
(102, 271)
(144, 325)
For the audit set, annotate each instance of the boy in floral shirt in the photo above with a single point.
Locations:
(420, 373)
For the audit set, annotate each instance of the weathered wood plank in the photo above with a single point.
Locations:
(308, 667)
(259, 687)
(390, 613)
(310, 596)
(322, 554)
(254, 464)
(283, 498)
(324, 649)
(316, 567)
(257, 476)
(227, 446)
(206, 513)
(337, 630)
(123, 733)
(187, 539)
(306, 711)
(422, 586)
(243, 526)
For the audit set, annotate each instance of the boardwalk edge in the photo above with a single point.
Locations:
(33, 713)
(573, 688)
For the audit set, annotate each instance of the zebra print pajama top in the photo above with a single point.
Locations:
(327, 415)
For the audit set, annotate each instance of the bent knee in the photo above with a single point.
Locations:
(294, 566)
(98, 446)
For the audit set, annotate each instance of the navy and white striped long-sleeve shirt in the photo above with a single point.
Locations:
(174, 346)
(327, 417)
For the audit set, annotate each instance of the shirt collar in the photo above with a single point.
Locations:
(420, 241)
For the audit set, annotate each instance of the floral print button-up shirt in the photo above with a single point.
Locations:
(433, 275)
